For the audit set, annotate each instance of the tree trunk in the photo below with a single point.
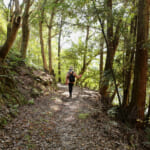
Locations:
(127, 82)
(11, 38)
(110, 49)
(41, 38)
(59, 52)
(50, 26)
(25, 29)
(86, 47)
(101, 62)
(10, 18)
(137, 105)
(85, 63)
(12, 30)
(9, 27)
(50, 42)
(112, 97)
(42, 47)
(129, 63)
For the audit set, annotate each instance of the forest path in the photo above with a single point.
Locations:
(56, 122)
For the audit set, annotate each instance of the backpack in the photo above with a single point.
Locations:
(71, 77)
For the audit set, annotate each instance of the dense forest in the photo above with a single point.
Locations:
(106, 41)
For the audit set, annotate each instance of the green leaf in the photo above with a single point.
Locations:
(83, 115)
(31, 101)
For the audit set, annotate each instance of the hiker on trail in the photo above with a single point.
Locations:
(70, 79)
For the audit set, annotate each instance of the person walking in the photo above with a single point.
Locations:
(70, 80)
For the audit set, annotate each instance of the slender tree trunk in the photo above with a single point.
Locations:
(112, 97)
(104, 88)
(127, 84)
(129, 63)
(110, 49)
(11, 38)
(85, 63)
(25, 29)
(59, 52)
(137, 105)
(41, 37)
(9, 27)
(17, 7)
(10, 18)
(42, 46)
(50, 42)
(101, 63)
(50, 26)
(86, 47)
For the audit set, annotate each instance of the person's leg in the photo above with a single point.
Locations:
(70, 89)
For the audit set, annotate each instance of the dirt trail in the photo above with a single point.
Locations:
(56, 122)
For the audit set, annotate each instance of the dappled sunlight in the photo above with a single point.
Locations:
(62, 86)
(65, 93)
(67, 103)
(70, 118)
(58, 101)
(74, 107)
(47, 113)
(89, 92)
(75, 93)
(55, 107)
(84, 95)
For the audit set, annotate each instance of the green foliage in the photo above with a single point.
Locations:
(90, 78)
(3, 121)
(15, 106)
(14, 58)
(3, 27)
(83, 115)
(31, 102)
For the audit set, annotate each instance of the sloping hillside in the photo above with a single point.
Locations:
(19, 85)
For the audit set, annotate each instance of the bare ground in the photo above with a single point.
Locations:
(56, 122)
